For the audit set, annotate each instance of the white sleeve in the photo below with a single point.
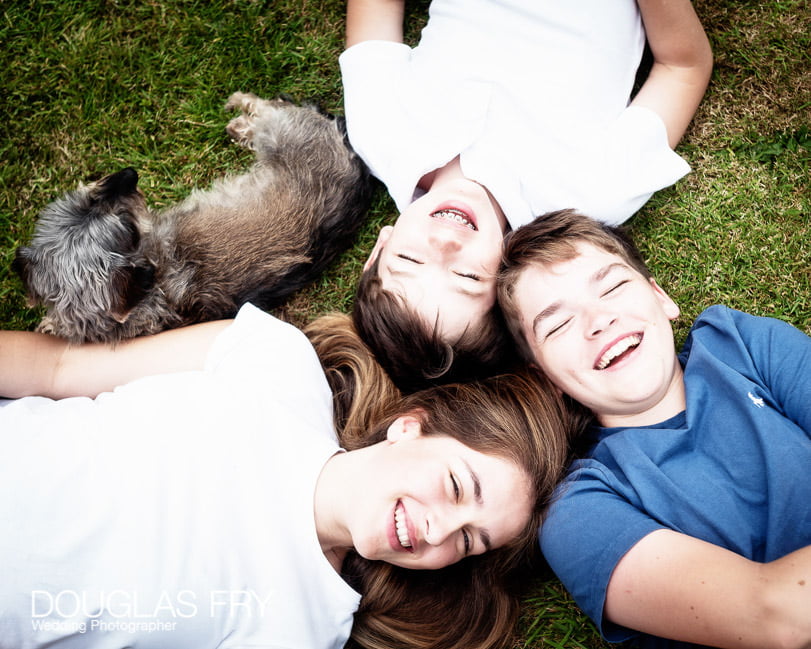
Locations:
(371, 72)
(634, 160)
(266, 356)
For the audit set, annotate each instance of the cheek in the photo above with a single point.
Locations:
(490, 255)
(554, 358)
(439, 557)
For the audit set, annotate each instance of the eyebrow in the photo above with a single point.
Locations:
(546, 313)
(605, 270)
(594, 279)
(484, 534)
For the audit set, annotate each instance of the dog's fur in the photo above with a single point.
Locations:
(107, 268)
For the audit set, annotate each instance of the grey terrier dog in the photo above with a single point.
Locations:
(107, 268)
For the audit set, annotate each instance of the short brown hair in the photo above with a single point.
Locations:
(414, 355)
(549, 239)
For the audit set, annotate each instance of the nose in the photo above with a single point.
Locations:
(444, 240)
(599, 321)
(442, 524)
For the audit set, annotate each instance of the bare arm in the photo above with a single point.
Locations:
(674, 586)
(682, 63)
(38, 364)
(368, 20)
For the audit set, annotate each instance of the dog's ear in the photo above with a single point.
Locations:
(129, 286)
(22, 265)
(121, 183)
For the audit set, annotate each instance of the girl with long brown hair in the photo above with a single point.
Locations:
(188, 489)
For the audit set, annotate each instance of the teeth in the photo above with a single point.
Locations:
(621, 347)
(402, 529)
(454, 215)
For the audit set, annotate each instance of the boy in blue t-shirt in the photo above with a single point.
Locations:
(689, 516)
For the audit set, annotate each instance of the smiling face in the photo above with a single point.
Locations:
(443, 252)
(434, 500)
(601, 332)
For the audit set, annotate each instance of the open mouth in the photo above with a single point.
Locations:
(455, 216)
(618, 351)
(401, 526)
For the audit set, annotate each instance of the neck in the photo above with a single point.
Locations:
(669, 405)
(331, 497)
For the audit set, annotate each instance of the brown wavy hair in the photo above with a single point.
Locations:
(362, 392)
(474, 603)
(415, 355)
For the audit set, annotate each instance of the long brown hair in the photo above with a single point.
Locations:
(474, 603)
(362, 392)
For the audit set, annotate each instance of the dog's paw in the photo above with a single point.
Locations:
(241, 131)
(244, 101)
(254, 107)
(47, 326)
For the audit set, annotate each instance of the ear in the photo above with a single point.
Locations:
(20, 264)
(382, 238)
(121, 183)
(670, 308)
(404, 427)
(128, 286)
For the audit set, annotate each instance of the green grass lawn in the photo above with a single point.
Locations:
(88, 87)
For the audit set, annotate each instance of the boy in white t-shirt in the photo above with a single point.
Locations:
(503, 111)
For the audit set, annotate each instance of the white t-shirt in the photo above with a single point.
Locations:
(177, 510)
(533, 96)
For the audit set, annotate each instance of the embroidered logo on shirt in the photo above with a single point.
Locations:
(756, 400)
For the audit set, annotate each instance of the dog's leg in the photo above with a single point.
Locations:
(241, 128)
(252, 108)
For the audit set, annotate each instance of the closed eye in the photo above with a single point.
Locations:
(557, 328)
(457, 494)
(455, 485)
(615, 287)
(472, 276)
(466, 538)
(411, 259)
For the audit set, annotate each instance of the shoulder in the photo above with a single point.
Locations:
(257, 349)
(718, 324)
(762, 349)
(254, 326)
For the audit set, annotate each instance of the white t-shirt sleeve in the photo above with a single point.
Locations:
(631, 162)
(265, 358)
(371, 71)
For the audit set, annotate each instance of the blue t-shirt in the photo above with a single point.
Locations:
(732, 469)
